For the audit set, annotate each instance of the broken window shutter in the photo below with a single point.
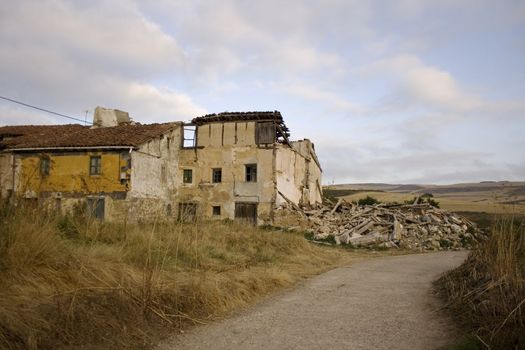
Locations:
(265, 132)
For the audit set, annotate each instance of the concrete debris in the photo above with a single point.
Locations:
(408, 226)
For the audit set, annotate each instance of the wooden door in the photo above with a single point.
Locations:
(246, 212)
(96, 207)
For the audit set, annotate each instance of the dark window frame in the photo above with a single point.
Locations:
(187, 176)
(95, 165)
(216, 175)
(216, 210)
(250, 172)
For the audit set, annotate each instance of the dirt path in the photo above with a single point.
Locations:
(383, 303)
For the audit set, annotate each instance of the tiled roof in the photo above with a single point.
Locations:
(75, 135)
(238, 116)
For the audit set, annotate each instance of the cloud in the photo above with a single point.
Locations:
(72, 57)
(418, 83)
(366, 164)
(332, 102)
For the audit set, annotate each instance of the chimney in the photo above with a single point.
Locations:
(106, 117)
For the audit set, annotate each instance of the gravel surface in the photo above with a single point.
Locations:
(383, 303)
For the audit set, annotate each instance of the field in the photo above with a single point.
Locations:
(67, 281)
(490, 197)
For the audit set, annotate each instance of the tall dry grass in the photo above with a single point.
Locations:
(68, 281)
(487, 292)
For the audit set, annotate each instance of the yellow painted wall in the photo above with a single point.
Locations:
(69, 172)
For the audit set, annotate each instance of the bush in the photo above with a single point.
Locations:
(368, 200)
(424, 198)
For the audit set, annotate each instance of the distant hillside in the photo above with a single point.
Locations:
(488, 196)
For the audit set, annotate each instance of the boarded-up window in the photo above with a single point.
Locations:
(45, 166)
(96, 207)
(265, 133)
(246, 212)
(187, 212)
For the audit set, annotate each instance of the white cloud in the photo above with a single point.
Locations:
(419, 83)
(71, 58)
(331, 101)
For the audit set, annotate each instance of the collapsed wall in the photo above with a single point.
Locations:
(413, 227)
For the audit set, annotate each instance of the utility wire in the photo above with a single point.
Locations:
(44, 110)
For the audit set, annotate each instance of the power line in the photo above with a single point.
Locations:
(44, 110)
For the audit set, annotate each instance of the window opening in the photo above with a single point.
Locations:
(216, 210)
(189, 136)
(187, 176)
(216, 175)
(95, 165)
(251, 172)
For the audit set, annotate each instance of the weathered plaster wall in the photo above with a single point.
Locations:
(290, 172)
(154, 185)
(229, 146)
(69, 173)
(135, 185)
(298, 173)
(226, 134)
(6, 175)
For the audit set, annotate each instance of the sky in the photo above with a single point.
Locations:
(429, 91)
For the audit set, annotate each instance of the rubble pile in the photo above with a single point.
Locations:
(416, 226)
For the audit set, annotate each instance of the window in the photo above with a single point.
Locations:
(216, 175)
(45, 165)
(189, 136)
(95, 165)
(187, 176)
(251, 172)
(216, 210)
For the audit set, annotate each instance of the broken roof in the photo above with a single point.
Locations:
(77, 136)
(238, 116)
(283, 133)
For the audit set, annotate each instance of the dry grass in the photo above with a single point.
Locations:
(487, 292)
(462, 201)
(66, 282)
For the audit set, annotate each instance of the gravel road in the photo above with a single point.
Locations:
(383, 303)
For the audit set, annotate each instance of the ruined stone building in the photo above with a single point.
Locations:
(227, 165)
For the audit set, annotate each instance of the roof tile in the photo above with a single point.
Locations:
(75, 135)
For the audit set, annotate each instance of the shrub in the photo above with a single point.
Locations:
(424, 198)
(368, 200)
